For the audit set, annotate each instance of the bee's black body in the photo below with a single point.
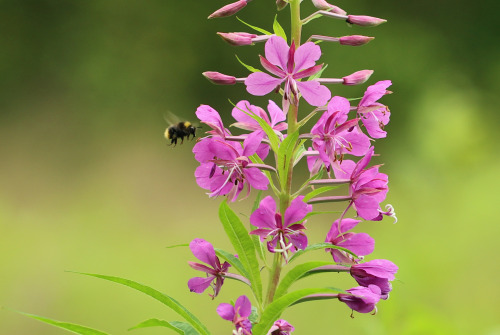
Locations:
(179, 131)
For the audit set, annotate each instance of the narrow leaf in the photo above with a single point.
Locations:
(319, 246)
(74, 328)
(285, 153)
(157, 295)
(295, 274)
(249, 68)
(318, 74)
(278, 29)
(235, 262)
(276, 308)
(179, 327)
(260, 30)
(259, 246)
(299, 152)
(242, 243)
(273, 138)
(178, 245)
(318, 191)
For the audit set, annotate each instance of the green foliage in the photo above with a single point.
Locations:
(256, 239)
(74, 328)
(249, 67)
(318, 74)
(285, 153)
(319, 191)
(278, 29)
(161, 297)
(179, 327)
(234, 261)
(260, 30)
(243, 244)
(295, 274)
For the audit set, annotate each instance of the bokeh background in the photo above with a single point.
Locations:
(87, 183)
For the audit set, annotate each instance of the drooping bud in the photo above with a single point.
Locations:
(355, 40)
(365, 21)
(229, 10)
(323, 5)
(219, 78)
(237, 39)
(280, 4)
(357, 78)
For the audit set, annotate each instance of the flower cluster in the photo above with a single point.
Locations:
(338, 149)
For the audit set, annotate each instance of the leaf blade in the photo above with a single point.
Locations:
(318, 246)
(179, 327)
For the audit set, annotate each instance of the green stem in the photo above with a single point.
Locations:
(274, 278)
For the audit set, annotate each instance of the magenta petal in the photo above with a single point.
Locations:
(306, 56)
(277, 115)
(298, 240)
(339, 104)
(260, 83)
(198, 284)
(239, 113)
(203, 173)
(263, 151)
(264, 215)
(203, 268)
(363, 299)
(314, 93)
(243, 306)
(362, 163)
(256, 178)
(361, 244)
(375, 92)
(202, 152)
(347, 167)
(382, 268)
(359, 141)
(252, 143)
(276, 50)
(226, 311)
(297, 211)
(367, 207)
(204, 251)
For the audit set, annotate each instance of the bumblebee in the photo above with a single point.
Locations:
(179, 131)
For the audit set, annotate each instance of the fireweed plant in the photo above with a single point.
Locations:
(337, 149)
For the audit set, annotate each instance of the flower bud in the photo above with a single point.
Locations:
(219, 78)
(361, 299)
(355, 40)
(323, 5)
(357, 78)
(376, 272)
(280, 4)
(229, 10)
(365, 21)
(237, 39)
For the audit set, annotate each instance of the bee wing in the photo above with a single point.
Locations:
(171, 118)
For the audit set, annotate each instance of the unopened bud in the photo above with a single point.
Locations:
(237, 39)
(323, 5)
(365, 21)
(219, 78)
(357, 77)
(229, 10)
(280, 4)
(355, 40)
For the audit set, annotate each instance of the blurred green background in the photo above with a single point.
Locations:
(87, 183)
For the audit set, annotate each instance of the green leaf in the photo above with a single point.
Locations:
(318, 74)
(178, 245)
(157, 295)
(319, 246)
(295, 274)
(285, 153)
(74, 328)
(227, 256)
(278, 29)
(179, 327)
(242, 243)
(259, 246)
(260, 30)
(354, 99)
(299, 151)
(276, 308)
(318, 191)
(256, 159)
(249, 68)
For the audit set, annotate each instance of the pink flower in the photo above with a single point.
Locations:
(205, 252)
(359, 243)
(229, 10)
(334, 136)
(368, 187)
(374, 115)
(226, 167)
(361, 299)
(289, 65)
(238, 314)
(285, 233)
(376, 272)
(281, 327)
(211, 118)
